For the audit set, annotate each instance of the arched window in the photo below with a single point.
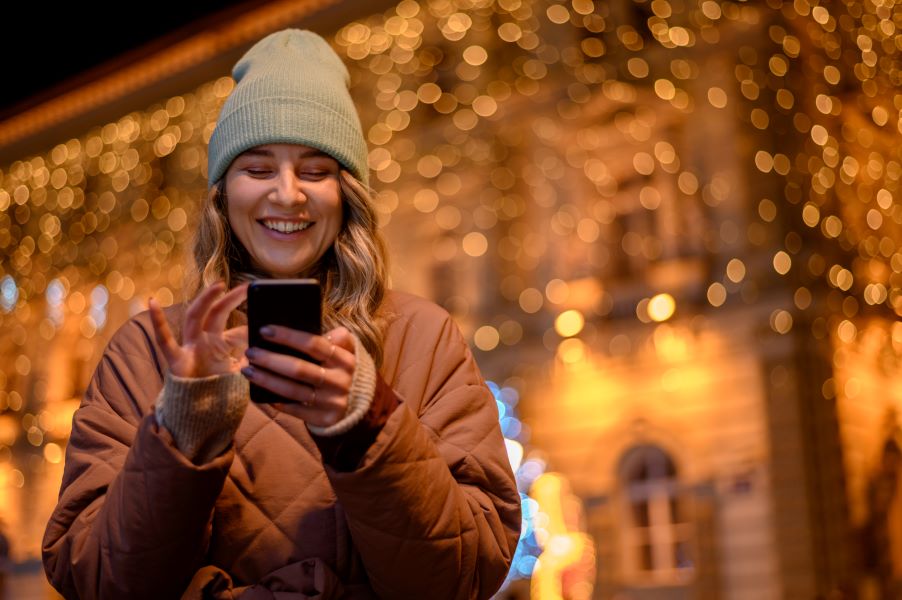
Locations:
(655, 532)
(882, 540)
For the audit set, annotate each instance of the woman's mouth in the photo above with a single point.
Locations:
(285, 226)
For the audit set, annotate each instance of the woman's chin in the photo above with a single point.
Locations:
(277, 270)
(284, 266)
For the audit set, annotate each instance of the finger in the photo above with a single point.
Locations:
(162, 332)
(223, 307)
(316, 346)
(197, 312)
(340, 336)
(316, 409)
(236, 337)
(299, 370)
(292, 391)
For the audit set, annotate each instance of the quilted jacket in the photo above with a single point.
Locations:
(432, 511)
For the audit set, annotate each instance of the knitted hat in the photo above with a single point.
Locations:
(290, 87)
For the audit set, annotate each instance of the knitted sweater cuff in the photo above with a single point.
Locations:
(360, 396)
(202, 413)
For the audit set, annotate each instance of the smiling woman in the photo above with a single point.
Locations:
(382, 474)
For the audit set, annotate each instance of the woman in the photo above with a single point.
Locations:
(383, 474)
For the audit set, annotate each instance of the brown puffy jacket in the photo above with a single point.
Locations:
(431, 512)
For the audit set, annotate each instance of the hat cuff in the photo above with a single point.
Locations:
(287, 120)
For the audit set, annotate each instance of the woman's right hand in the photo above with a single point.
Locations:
(207, 348)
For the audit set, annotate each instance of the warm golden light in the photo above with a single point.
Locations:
(717, 294)
(531, 300)
(671, 344)
(782, 262)
(486, 338)
(661, 307)
(572, 351)
(564, 547)
(781, 321)
(475, 244)
(717, 97)
(557, 291)
(53, 453)
(847, 331)
(736, 270)
(569, 323)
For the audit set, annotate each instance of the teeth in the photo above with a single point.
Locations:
(286, 227)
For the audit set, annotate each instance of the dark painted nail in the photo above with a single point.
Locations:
(267, 331)
(251, 352)
(248, 372)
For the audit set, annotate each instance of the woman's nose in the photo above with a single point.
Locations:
(288, 188)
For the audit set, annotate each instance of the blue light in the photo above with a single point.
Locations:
(525, 434)
(100, 296)
(99, 299)
(511, 427)
(9, 293)
(526, 531)
(55, 294)
(56, 291)
(510, 396)
(525, 565)
(529, 471)
(502, 409)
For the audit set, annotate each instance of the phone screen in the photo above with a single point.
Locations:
(294, 303)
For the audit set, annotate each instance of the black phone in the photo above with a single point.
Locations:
(295, 303)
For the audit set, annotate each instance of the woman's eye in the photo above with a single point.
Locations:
(257, 172)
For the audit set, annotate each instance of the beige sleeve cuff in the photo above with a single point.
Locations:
(202, 413)
(360, 396)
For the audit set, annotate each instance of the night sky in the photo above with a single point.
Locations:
(42, 54)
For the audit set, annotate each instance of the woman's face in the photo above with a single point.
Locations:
(284, 205)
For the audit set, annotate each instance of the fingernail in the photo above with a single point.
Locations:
(248, 372)
(250, 352)
(267, 331)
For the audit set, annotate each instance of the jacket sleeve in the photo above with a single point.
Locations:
(133, 516)
(433, 508)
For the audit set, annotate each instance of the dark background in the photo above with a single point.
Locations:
(47, 49)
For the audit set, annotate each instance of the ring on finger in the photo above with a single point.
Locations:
(311, 400)
(331, 352)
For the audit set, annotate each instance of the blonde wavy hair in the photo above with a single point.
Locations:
(353, 272)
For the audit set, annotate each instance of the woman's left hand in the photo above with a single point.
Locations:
(321, 391)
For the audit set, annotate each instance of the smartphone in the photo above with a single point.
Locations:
(294, 303)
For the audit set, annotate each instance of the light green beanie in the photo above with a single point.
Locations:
(290, 87)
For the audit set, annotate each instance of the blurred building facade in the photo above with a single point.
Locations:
(669, 229)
